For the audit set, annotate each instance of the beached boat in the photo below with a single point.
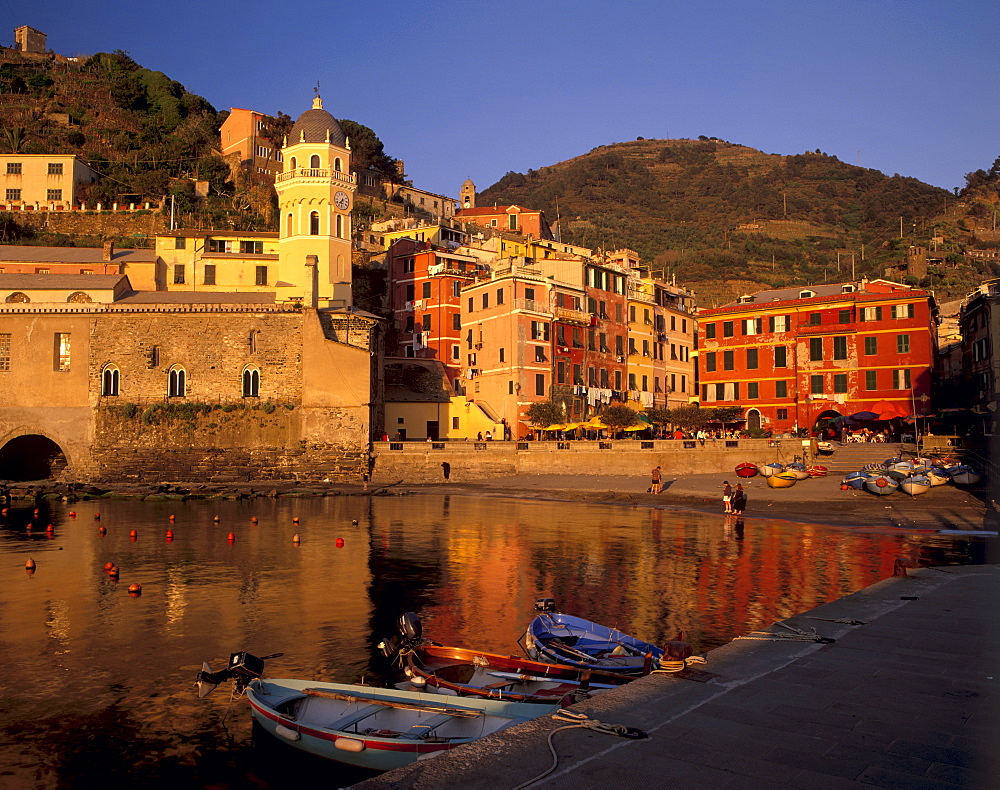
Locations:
(817, 471)
(455, 670)
(856, 479)
(767, 470)
(883, 485)
(801, 471)
(378, 729)
(964, 475)
(783, 479)
(564, 639)
(914, 485)
(746, 469)
(825, 448)
(938, 476)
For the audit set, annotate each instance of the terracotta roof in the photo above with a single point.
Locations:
(48, 282)
(315, 123)
(469, 212)
(26, 254)
(197, 297)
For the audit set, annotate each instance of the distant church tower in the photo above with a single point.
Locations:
(468, 195)
(315, 197)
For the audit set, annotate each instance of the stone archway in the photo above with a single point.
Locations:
(754, 421)
(31, 457)
(828, 424)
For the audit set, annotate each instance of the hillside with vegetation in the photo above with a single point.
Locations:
(726, 219)
(146, 134)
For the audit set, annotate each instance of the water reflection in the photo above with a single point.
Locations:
(99, 684)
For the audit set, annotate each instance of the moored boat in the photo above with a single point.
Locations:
(378, 729)
(817, 471)
(564, 639)
(964, 476)
(783, 480)
(825, 448)
(746, 469)
(915, 485)
(883, 485)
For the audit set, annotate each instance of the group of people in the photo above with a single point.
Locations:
(867, 435)
(734, 500)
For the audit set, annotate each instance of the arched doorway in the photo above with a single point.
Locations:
(31, 457)
(828, 424)
(753, 420)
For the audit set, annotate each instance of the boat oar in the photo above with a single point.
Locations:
(550, 679)
(391, 703)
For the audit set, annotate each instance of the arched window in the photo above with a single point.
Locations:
(17, 296)
(109, 381)
(291, 163)
(288, 225)
(78, 296)
(251, 383)
(340, 226)
(314, 223)
(336, 164)
(252, 342)
(314, 161)
(176, 383)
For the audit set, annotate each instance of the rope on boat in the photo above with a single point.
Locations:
(581, 721)
(796, 635)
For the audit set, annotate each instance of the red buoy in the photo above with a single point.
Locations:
(135, 589)
(108, 566)
(50, 528)
(102, 531)
(29, 565)
(295, 520)
(97, 516)
(72, 514)
(253, 519)
(844, 486)
(4, 512)
(217, 518)
(231, 537)
(113, 573)
(172, 517)
(134, 533)
(340, 543)
(170, 533)
(295, 538)
(37, 511)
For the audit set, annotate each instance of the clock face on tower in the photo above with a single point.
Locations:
(342, 201)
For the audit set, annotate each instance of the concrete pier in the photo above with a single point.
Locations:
(905, 697)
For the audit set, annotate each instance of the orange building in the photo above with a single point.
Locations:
(525, 221)
(244, 136)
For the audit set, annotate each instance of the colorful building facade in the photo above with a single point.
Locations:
(795, 356)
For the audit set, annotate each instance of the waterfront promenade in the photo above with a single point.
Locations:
(905, 698)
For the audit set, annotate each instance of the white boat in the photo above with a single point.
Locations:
(883, 485)
(766, 470)
(800, 471)
(964, 476)
(938, 476)
(914, 485)
(375, 728)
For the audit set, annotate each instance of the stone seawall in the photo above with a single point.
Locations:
(221, 443)
(420, 462)
(95, 223)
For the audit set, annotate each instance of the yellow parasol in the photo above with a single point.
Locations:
(596, 424)
(640, 427)
(555, 427)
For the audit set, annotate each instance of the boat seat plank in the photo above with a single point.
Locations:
(498, 685)
(422, 728)
(354, 717)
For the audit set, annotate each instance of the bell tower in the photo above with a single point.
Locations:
(467, 198)
(315, 197)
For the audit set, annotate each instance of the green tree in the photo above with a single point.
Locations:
(689, 418)
(661, 418)
(367, 151)
(543, 413)
(617, 418)
(726, 414)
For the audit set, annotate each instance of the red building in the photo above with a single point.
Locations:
(795, 356)
(528, 222)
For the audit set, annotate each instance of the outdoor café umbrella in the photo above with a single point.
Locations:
(863, 416)
(555, 427)
(640, 427)
(887, 410)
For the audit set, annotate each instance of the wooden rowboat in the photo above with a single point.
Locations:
(883, 485)
(455, 670)
(746, 469)
(914, 485)
(378, 729)
(783, 480)
(800, 471)
(767, 470)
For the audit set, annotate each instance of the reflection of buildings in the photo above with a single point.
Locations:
(792, 356)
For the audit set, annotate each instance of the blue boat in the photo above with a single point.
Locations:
(563, 639)
(856, 479)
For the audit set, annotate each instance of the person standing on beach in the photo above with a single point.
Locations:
(739, 500)
(727, 495)
(657, 481)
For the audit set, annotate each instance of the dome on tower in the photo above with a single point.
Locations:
(314, 125)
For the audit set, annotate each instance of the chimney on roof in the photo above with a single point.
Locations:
(312, 287)
(109, 251)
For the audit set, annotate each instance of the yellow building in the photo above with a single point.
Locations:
(198, 260)
(42, 181)
(315, 196)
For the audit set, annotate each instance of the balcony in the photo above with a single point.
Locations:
(315, 172)
(532, 306)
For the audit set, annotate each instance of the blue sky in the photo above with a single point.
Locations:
(473, 89)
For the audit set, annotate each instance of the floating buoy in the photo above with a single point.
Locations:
(172, 517)
(113, 573)
(216, 518)
(231, 537)
(295, 538)
(29, 565)
(170, 538)
(295, 520)
(340, 543)
(72, 514)
(37, 511)
(253, 519)
(97, 516)
(50, 528)
(135, 589)
(4, 512)
(102, 531)
(134, 533)
(27, 528)
(355, 522)
(108, 566)
(170, 533)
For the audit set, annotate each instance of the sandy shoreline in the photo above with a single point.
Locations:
(817, 501)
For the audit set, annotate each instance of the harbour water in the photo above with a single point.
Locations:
(97, 686)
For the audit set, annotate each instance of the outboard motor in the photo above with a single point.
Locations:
(243, 668)
(409, 627)
(545, 605)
